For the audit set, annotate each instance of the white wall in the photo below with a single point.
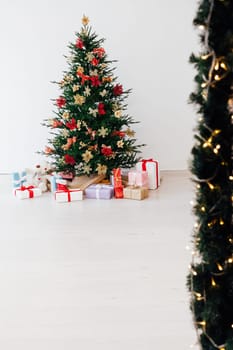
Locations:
(151, 40)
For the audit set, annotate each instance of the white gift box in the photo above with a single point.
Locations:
(27, 192)
(152, 168)
(69, 195)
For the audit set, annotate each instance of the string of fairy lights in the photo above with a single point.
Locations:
(219, 69)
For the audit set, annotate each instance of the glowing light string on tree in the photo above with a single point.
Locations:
(219, 69)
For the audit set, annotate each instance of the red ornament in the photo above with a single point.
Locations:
(95, 81)
(79, 43)
(61, 101)
(56, 123)
(84, 78)
(99, 51)
(118, 133)
(117, 90)
(106, 151)
(72, 125)
(69, 159)
(94, 62)
(101, 109)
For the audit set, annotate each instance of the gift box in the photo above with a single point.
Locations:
(54, 180)
(99, 191)
(19, 178)
(64, 194)
(27, 192)
(152, 168)
(118, 192)
(135, 192)
(138, 178)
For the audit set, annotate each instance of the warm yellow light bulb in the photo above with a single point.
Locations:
(216, 132)
(198, 186)
(204, 57)
(201, 27)
(203, 209)
(218, 146)
(215, 151)
(203, 85)
(230, 260)
(217, 77)
(231, 178)
(216, 67)
(213, 283)
(221, 222)
(220, 267)
(223, 65)
(202, 323)
(211, 186)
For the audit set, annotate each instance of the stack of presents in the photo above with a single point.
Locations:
(132, 183)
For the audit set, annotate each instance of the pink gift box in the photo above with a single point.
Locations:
(138, 178)
(152, 168)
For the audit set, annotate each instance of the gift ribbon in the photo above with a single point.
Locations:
(144, 161)
(29, 189)
(97, 191)
(117, 177)
(64, 188)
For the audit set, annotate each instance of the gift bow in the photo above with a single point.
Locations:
(28, 188)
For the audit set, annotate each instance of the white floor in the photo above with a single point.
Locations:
(96, 275)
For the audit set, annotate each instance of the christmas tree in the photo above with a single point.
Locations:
(210, 280)
(91, 130)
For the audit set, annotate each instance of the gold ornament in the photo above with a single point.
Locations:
(85, 20)
(75, 87)
(93, 111)
(89, 56)
(79, 100)
(101, 169)
(87, 169)
(87, 91)
(103, 93)
(66, 115)
(102, 131)
(118, 113)
(130, 132)
(120, 144)
(87, 156)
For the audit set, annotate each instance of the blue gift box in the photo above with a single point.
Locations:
(19, 178)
